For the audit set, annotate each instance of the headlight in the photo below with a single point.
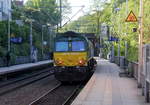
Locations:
(58, 62)
(81, 62)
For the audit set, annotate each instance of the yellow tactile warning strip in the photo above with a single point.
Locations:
(107, 88)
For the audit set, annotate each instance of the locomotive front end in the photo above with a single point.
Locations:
(71, 57)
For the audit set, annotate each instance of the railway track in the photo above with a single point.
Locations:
(10, 86)
(59, 95)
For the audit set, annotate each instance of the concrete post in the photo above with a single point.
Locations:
(140, 59)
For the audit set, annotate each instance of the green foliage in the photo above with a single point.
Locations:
(19, 31)
(3, 38)
(22, 49)
(46, 11)
(42, 12)
(106, 13)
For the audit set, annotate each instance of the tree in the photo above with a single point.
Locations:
(116, 19)
(46, 11)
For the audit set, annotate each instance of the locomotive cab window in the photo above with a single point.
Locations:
(62, 46)
(78, 46)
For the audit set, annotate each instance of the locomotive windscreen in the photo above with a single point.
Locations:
(78, 46)
(70, 45)
(62, 46)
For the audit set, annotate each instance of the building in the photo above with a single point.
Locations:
(18, 3)
(5, 10)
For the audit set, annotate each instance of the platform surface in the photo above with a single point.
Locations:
(14, 68)
(107, 88)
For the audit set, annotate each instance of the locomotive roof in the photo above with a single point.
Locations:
(70, 34)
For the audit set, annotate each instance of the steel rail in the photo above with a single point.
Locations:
(71, 97)
(22, 78)
(48, 92)
(23, 83)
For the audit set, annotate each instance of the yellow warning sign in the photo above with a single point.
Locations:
(131, 17)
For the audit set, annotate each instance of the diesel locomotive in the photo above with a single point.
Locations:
(73, 57)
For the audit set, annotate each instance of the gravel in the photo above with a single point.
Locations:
(29, 93)
(57, 96)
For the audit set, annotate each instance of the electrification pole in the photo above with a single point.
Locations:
(60, 12)
(140, 58)
(126, 44)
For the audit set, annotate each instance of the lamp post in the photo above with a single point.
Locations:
(51, 35)
(31, 40)
(30, 37)
(118, 9)
(9, 11)
(43, 26)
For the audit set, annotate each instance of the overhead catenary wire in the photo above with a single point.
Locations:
(74, 15)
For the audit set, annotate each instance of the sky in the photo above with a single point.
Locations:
(75, 8)
(86, 3)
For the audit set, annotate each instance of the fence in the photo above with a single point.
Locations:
(147, 63)
(20, 60)
(121, 61)
(2, 62)
(146, 71)
(133, 69)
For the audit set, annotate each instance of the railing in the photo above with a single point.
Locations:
(133, 69)
(116, 61)
(146, 72)
(121, 61)
(2, 61)
(147, 63)
(21, 60)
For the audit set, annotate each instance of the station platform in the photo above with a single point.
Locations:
(21, 67)
(106, 88)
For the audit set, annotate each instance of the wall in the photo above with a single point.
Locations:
(5, 10)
